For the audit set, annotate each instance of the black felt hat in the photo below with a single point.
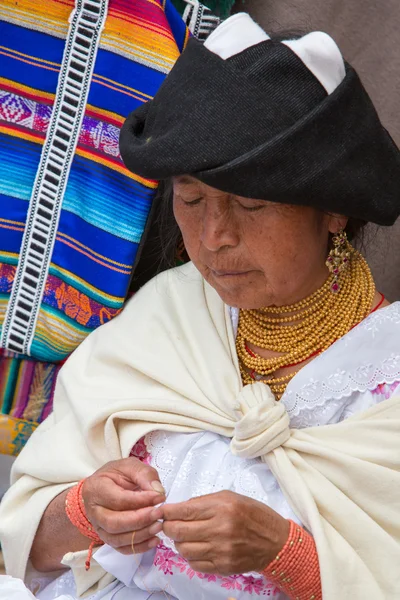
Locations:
(281, 121)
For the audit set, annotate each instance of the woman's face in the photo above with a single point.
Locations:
(254, 253)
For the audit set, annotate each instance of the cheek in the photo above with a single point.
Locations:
(188, 224)
(285, 248)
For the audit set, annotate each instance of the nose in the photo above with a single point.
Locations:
(219, 229)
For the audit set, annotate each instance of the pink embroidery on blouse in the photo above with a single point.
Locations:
(386, 389)
(170, 563)
(139, 450)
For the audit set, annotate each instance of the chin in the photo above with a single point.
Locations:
(238, 298)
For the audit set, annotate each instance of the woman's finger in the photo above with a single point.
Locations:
(139, 548)
(196, 551)
(200, 508)
(123, 540)
(110, 495)
(189, 531)
(116, 522)
(144, 476)
(204, 566)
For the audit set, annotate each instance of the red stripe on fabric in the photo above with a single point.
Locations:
(32, 132)
(25, 94)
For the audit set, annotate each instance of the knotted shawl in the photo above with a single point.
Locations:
(169, 362)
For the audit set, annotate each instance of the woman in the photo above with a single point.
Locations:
(242, 408)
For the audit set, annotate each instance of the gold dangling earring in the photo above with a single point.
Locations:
(338, 259)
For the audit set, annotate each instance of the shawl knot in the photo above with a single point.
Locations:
(263, 425)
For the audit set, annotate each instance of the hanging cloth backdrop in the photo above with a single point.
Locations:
(71, 215)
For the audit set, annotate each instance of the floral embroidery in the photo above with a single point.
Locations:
(170, 563)
(386, 390)
(139, 450)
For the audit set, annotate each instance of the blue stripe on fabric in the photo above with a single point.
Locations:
(102, 277)
(19, 160)
(99, 195)
(13, 209)
(32, 43)
(102, 242)
(124, 71)
(107, 280)
(176, 23)
(115, 203)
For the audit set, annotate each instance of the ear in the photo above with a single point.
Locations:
(336, 223)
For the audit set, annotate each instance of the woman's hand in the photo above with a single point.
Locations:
(119, 500)
(225, 533)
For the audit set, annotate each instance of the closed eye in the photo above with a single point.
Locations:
(192, 202)
(252, 208)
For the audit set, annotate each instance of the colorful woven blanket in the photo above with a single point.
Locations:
(71, 215)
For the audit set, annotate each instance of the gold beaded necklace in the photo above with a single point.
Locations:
(302, 330)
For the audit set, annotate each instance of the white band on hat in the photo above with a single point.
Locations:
(235, 35)
(317, 50)
(322, 57)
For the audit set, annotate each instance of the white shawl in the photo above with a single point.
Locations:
(169, 362)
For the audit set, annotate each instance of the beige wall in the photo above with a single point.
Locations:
(368, 33)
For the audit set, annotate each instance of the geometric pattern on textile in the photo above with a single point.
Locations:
(199, 19)
(104, 208)
(80, 52)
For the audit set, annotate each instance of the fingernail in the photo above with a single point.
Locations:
(157, 487)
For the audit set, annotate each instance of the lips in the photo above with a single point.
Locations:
(229, 273)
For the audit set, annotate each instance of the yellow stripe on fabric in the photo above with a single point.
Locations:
(10, 227)
(32, 62)
(120, 168)
(93, 258)
(160, 56)
(123, 87)
(187, 38)
(12, 222)
(36, 23)
(24, 135)
(3, 308)
(26, 90)
(31, 56)
(125, 23)
(56, 333)
(71, 277)
(74, 241)
(107, 115)
(48, 16)
(12, 255)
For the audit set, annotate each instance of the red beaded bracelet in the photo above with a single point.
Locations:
(76, 513)
(296, 568)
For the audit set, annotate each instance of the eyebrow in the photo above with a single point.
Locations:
(185, 179)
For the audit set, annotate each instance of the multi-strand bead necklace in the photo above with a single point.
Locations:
(298, 332)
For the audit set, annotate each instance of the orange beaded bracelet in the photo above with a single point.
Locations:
(76, 513)
(296, 568)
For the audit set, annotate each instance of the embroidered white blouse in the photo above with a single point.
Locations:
(356, 372)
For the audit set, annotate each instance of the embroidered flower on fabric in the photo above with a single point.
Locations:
(171, 564)
(140, 451)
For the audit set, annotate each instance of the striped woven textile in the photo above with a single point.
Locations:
(71, 215)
